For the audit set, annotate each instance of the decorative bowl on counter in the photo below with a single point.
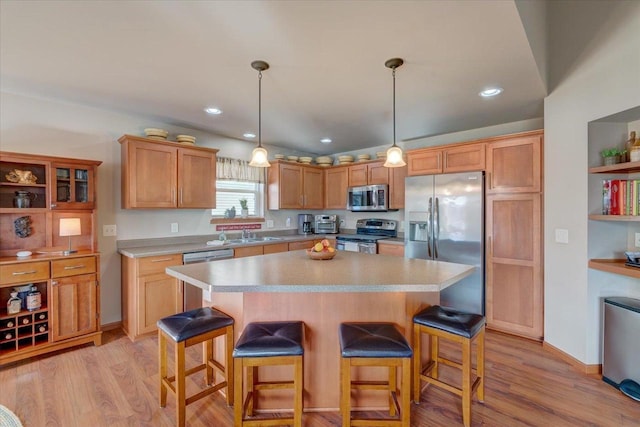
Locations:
(320, 255)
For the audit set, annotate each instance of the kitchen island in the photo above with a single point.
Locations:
(350, 287)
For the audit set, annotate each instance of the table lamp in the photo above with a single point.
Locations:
(70, 227)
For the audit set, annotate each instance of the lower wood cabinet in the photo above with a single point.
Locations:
(390, 249)
(148, 294)
(514, 286)
(248, 251)
(69, 314)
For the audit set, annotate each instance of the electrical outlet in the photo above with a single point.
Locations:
(288, 223)
(108, 230)
(637, 240)
(174, 227)
(269, 223)
(562, 235)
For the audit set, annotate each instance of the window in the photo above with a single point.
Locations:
(229, 193)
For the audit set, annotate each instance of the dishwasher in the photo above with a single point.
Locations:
(193, 294)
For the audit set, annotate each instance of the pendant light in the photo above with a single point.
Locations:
(259, 154)
(394, 153)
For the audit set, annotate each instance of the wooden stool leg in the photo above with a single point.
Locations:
(417, 362)
(435, 355)
(406, 392)
(393, 388)
(228, 368)
(466, 382)
(237, 392)
(252, 378)
(480, 364)
(180, 384)
(298, 380)
(162, 356)
(207, 356)
(345, 395)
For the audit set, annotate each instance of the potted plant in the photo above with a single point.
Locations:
(244, 208)
(611, 156)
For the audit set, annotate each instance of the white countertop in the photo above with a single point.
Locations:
(346, 272)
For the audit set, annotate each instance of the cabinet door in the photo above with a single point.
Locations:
(392, 250)
(290, 186)
(149, 175)
(196, 179)
(74, 309)
(305, 244)
(358, 175)
(377, 174)
(514, 293)
(275, 248)
(336, 181)
(72, 186)
(513, 165)
(159, 296)
(248, 251)
(313, 188)
(396, 187)
(424, 162)
(464, 158)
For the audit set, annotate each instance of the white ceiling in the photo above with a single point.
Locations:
(169, 59)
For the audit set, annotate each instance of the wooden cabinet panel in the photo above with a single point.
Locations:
(514, 165)
(377, 173)
(390, 249)
(24, 272)
(196, 179)
(396, 187)
(305, 244)
(358, 175)
(248, 251)
(275, 248)
(72, 186)
(159, 296)
(514, 265)
(74, 306)
(73, 266)
(464, 158)
(336, 182)
(424, 162)
(157, 264)
(157, 174)
(313, 194)
(149, 175)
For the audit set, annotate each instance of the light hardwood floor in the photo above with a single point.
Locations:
(116, 385)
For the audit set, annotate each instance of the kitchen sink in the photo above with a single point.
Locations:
(254, 240)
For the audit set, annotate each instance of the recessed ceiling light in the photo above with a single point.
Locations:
(213, 110)
(488, 93)
(326, 140)
(249, 135)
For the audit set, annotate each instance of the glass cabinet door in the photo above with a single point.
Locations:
(73, 187)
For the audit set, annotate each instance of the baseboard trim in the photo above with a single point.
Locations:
(581, 367)
(110, 326)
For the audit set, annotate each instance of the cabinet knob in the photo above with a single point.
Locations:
(54, 282)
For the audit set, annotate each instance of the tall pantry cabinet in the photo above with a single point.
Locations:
(514, 282)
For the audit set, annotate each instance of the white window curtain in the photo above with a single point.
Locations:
(237, 170)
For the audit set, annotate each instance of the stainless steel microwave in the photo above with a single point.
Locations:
(368, 198)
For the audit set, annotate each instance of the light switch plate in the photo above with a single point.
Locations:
(109, 230)
(562, 235)
(174, 227)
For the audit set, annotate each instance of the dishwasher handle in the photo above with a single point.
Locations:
(193, 257)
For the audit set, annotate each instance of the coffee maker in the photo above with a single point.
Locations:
(305, 224)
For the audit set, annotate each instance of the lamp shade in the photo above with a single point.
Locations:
(70, 227)
(259, 158)
(394, 158)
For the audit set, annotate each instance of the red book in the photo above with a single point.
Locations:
(615, 197)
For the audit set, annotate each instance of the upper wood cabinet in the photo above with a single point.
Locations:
(72, 186)
(514, 164)
(157, 174)
(294, 186)
(336, 182)
(396, 187)
(455, 158)
(368, 174)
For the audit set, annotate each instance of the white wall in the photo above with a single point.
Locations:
(596, 73)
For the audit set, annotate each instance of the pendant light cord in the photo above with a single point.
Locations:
(260, 109)
(394, 106)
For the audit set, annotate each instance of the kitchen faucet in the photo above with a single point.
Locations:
(245, 233)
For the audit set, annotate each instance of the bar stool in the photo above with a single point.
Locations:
(375, 344)
(459, 327)
(201, 325)
(268, 344)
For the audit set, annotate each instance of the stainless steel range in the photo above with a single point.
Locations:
(368, 232)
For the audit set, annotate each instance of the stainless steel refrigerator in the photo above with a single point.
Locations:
(444, 221)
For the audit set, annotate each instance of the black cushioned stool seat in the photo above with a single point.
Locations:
(463, 328)
(382, 345)
(268, 344)
(201, 325)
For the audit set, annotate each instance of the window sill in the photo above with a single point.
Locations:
(236, 220)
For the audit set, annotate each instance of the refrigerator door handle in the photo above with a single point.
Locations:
(436, 228)
(429, 225)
